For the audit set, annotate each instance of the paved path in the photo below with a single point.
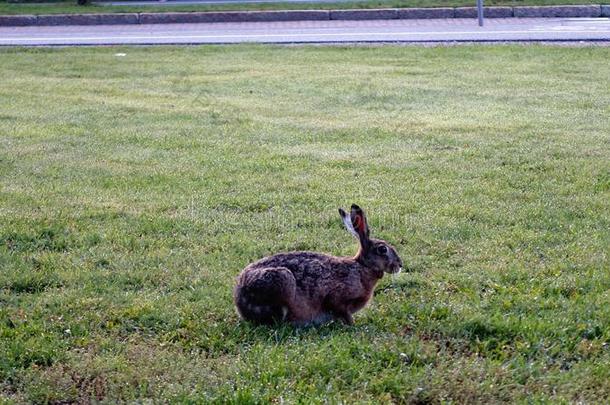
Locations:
(510, 29)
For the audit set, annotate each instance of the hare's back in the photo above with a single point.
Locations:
(301, 264)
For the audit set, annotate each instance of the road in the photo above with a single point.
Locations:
(510, 29)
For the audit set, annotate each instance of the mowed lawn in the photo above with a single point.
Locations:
(133, 189)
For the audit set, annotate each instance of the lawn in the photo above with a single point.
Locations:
(69, 7)
(133, 189)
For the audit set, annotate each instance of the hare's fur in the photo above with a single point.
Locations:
(311, 288)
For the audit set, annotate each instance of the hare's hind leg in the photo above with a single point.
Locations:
(265, 295)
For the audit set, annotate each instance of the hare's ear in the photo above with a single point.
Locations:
(347, 221)
(360, 225)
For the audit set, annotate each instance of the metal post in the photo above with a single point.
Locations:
(480, 12)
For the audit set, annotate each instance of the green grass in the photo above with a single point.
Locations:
(71, 7)
(134, 189)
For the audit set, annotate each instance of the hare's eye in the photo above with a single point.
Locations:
(382, 250)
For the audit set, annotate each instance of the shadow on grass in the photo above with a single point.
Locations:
(281, 333)
(400, 285)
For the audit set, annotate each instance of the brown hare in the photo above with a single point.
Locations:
(305, 288)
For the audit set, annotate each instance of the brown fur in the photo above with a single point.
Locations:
(310, 288)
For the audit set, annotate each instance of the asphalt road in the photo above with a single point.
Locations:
(509, 29)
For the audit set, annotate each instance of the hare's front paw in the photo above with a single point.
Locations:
(347, 318)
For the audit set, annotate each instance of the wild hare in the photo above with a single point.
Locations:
(305, 288)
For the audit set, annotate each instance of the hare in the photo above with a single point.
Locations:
(306, 288)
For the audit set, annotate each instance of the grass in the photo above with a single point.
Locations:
(71, 7)
(132, 195)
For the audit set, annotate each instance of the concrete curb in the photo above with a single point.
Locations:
(372, 14)
(233, 16)
(302, 15)
(489, 12)
(558, 11)
(87, 19)
(17, 20)
(425, 13)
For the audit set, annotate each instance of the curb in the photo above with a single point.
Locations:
(425, 13)
(373, 14)
(554, 11)
(302, 15)
(17, 20)
(232, 16)
(488, 12)
(87, 19)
